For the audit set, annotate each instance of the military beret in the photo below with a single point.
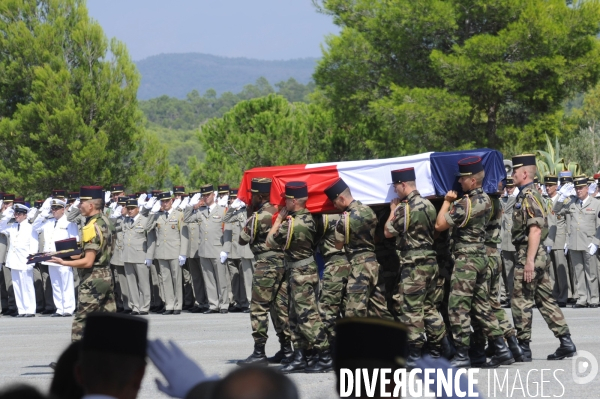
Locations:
(117, 188)
(550, 180)
(523, 160)
(165, 196)
(335, 189)
(233, 192)
(91, 192)
(178, 189)
(206, 189)
(103, 332)
(470, 166)
(580, 181)
(260, 185)
(403, 175)
(223, 188)
(296, 189)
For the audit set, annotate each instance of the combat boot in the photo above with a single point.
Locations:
(414, 354)
(566, 349)
(502, 356)
(448, 349)
(489, 350)
(284, 353)
(257, 357)
(477, 354)
(324, 363)
(461, 358)
(524, 344)
(297, 364)
(515, 349)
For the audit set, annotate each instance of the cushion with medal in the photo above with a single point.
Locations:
(64, 249)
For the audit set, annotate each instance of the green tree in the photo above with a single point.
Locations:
(68, 109)
(438, 74)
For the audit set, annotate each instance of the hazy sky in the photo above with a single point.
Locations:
(263, 29)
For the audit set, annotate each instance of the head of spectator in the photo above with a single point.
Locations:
(255, 383)
(20, 392)
(64, 385)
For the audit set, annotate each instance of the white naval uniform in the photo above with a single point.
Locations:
(61, 277)
(23, 242)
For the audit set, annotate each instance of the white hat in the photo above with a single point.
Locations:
(56, 201)
(20, 208)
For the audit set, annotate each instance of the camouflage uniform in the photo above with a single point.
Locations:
(413, 225)
(269, 284)
(332, 293)
(96, 287)
(296, 236)
(529, 211)
(366, 286)
(470, 278)
(492, 240)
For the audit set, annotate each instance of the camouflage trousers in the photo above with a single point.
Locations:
(269, 296)
(95, 295)
(308, 331)
(333, 292)
(538, 292)
(469, 298)
(415, 301)
(495, 266)
(442, 294)
(366, 288)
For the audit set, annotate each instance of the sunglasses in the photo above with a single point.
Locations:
(56, 208)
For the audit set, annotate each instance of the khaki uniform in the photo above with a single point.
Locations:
(240, 259)
(557, 237)
(135, 252)
(122, 295)
(192, 232)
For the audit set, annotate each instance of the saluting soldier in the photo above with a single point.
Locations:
(412, 222)
(238, 258)
(96, 286)
(269, 284)
(170, 249)
(508, 249)
(117, 217)
(9, 304)
(294, 231)
(555, 245)
(111, 198)
(532, 284)
(41, 274)
(583, 241)
(469, 294)
(137, 258)
(209, 215)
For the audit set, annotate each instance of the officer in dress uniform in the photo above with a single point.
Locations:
(555, 244)
(9, 305)
(158, 294)
(117, 217)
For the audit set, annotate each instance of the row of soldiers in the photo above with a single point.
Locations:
(573, 208)
(443, 283)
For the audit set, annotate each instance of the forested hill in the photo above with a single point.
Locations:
(176, 75)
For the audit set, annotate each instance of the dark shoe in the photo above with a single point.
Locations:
(167, 312)
(4, 311)
(186, 307)
(258, 357)
(52, 365)
(566, 349)
(67, 315)
(414, 354)
(506, 305)
(524, 344)
(143, 313)
(579, 306)
(12, 313)
(223, 311)
(234, 310)
(448, 350)
(19, 315)
(30, 315)
(312, 357)
(593, 305)
(515, 349)
(477, 353)
(177, 312)
(56, 315)
(246, 310)
(210, 311)
(48, 311)
(571, 300)
(502, 356)
(127, 311)
(135, 313)
(158, 310)
(196, 309)
(283, 353)
(324, 364)
(461, 358)
(562, 305)
(120, 310)
(298, 363)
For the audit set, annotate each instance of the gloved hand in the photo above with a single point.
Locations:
(223, 200)
(76, 203)
(237, 204)
(443, 366)
(592, 188)
(565, 191)
(150, 203)
(8, 213)
(195, 199)
(106, 196)
(176, 203)
(185, 203)
(113, 205)
(593, 248)
(32, 212)
(515, 192)
(566, 248)
(182, 260)
(118, 210)
(148, 262)
(156, 207)
(223, 256)
(142, 199)
(181, 373)
(46, 208)
(548, 249)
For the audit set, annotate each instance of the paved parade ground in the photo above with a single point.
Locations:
(217, 341)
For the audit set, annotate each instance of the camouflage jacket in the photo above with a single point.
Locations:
(493, 228)
(413, 225)
(257, 228)
(296, 236)
(356, 228)
(327, 241)
(529, 211)
(468, 216)
(97, 235)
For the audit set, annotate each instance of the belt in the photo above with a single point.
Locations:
(266, 255)
(334, 257)
(299, 263)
